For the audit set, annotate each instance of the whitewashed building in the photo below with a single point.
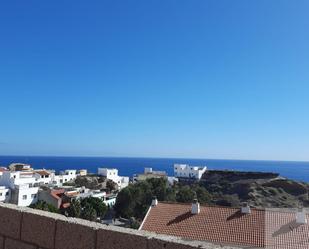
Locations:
(112, 174)
(68, 175)
(24, 187)
(5, 194)
(43, 176)
(188, 171)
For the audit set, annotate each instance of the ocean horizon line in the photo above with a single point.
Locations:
(159, 157)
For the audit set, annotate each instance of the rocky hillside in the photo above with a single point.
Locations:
(231, 188)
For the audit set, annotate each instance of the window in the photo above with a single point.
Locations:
(0, 194)
(33, 196)
(24, 197)
(61, 181)
(7, 193)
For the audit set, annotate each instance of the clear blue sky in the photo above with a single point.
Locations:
(163, 78)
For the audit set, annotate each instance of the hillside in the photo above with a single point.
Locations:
(230, 188)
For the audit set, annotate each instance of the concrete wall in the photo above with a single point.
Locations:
(25, 228)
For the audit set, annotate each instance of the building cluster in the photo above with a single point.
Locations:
(22, 185)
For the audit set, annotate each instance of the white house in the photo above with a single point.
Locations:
(188, 171)
(23, 186)
(43, 176)
(83, 172)
(5, 194)
(24, 195)
(112, 174)
(65, 176)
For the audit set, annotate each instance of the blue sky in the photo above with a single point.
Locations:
(164, 78)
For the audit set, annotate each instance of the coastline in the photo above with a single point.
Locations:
(129, 166)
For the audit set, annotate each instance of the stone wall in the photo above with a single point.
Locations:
(25, 228)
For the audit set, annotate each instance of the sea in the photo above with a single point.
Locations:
(129, 166)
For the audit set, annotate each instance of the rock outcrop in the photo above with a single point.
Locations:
(231, 188)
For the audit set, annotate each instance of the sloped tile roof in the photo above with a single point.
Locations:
(282, 231)
(42, 172)
(224, 225)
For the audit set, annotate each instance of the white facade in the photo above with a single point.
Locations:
(5, 194)
(112, 174)
(25, 195)
(110, 200)
(188, 171)
(65, 176)
(43, 176)
(12, 179)
(23, 186)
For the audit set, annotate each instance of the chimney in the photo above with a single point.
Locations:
(245, 209)
(195, 208)
(154, 201)
(301, 217)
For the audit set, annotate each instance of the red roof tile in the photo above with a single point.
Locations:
(56, 193)
(226, 226)
(42, 172)
(282, 231)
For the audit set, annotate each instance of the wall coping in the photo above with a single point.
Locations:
(126, 231)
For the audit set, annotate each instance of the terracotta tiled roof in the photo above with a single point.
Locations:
(224, 225)
(56, 193)
(42, 172)
(71, 193)
(282, 231)
(26, 173)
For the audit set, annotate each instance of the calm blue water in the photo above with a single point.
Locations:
(130, 166)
